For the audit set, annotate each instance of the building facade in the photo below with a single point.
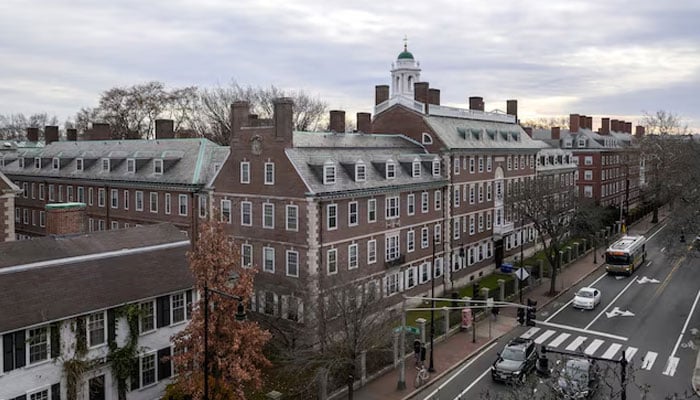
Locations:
(8, 193)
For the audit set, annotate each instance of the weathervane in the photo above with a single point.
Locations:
(405, 42)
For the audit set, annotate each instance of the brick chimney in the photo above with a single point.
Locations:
(556, 132)
(50, 134)
(364, 122)
(71, 134)
(639, 131)
(239, 117)
(528, 130)
(65, 219)
(512, 108)
(99, 131)
(165, 129)
(420, 91)
(283, 118)
(381, 94)
(604, 126)
(574, 123)
(476, 103)
(32, 134)
(434, 96)
(628, 127)
(337, 121)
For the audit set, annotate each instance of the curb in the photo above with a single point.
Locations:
(456, 365)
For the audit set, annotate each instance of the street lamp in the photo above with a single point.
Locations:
(431, 367)
(240, 316)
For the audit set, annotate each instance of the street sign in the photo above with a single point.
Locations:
(409, 329)
(522, 274)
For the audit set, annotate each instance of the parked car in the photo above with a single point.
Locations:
(587, 298)
(578, 379)
(517, 359)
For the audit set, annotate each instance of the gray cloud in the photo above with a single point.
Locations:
(592, 57)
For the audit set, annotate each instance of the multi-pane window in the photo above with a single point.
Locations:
(488, 220)
(96, 329)
(392, 247)
(177, 307)
(588, 160)
(328, 174)
(436, 168)
(79, 164)
(455, 228)
(182, 199)
(488, 164)
(332, 216)
(40, 395)
(416, 169)
(472, 229)
(481, 164)
(226, 211)
(37, 162)
(42, 219)
(246, 213)
(352, 213)
(168, 203)
(105, 164)
(38, 342)
(148, 369)
(130, 165)
(390, 170)
(147, 317)
(424, 202)
(472, 164)
(392, 284)
(360, 172)
(456, 195)
(438, 233)
(246, 255)
(371, 251)
(114, 225)
(410, 241)
(371, 210)
(139, 200)
(292, 217)
(481, 192)
(489, 189)
(90, 195)
(588, 175)
(245, 171)
(411, 204)
(113, 197)
(392, 207)
(269, 173)
(268, 259)
(52, 192)
(332, 261)
(481, 222)
(158, 167)
(456, 165)
(438, 200)
(41, 192)
(268, 216)
(292, 263)
(472, 194)
(424, 238)
(352, 256)
(100, 197)
(69, 192)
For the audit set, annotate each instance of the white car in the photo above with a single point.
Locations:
(587, 298)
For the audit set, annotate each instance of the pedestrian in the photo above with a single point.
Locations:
(416, 350)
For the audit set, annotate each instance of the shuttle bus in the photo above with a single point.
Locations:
(626, 255)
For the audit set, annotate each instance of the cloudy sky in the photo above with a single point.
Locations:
(594, 57)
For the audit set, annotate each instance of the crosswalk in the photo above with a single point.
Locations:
(593, 346)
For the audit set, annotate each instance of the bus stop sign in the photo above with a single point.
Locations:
(522, 274)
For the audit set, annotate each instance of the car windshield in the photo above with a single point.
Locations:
(584, 293)
(513, 354)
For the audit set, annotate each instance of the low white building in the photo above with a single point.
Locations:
(66, 305)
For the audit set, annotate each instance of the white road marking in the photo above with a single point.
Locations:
(616, 312)
(663, 249)
(587, 331)
(530, 333)
(644, 279)
(648, 360)
(576, 343)
(559, 340)
(546, 335)
(468, 388)
(671, 365)
(611, 351)
(572, 300)
(655, 233)
(593, 347)
(685, 325)
(611, 303)
(630, 352)
(465, 366)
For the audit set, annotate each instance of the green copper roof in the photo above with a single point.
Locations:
(64, 206)
(406, 55)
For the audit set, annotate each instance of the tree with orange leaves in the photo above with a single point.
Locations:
(236, 356)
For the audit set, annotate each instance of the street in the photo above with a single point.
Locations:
(652, 316)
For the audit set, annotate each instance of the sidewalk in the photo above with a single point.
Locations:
(458, 348)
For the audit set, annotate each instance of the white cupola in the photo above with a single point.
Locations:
(404, 73)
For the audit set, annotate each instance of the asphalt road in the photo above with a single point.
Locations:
(653, 316)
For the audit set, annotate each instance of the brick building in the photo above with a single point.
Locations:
(123, 182)
(8, 193)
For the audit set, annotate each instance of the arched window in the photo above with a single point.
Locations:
(427, 139)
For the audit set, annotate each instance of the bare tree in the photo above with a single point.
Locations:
(547, 123)
(14, 126)
(664, 122)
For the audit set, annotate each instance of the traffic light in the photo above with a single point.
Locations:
(530, 314)
(521, 316)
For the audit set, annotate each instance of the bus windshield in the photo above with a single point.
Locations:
(612, 259)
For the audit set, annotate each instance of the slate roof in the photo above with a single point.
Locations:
(185, 161)
(67, 288)
(7, 186)
(594, 140)
(313, 150)
(463, 133)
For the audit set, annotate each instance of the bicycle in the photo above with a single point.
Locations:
(422, 375)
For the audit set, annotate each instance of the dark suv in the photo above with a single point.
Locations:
(518, 358)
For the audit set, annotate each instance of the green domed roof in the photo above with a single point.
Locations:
(406, 55)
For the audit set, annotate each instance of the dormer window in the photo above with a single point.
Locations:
(158, 167)
(328, 174)
(21, 162)
(56, 163)
(130, 165)
(105, 165)
(37, 162)
(360, 172)
(416, 169)
(79, 164)
(436, 167)
(582, 142)
(427, 139)
(567, 143)
(390, 170)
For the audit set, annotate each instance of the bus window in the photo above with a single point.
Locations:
(617, 259)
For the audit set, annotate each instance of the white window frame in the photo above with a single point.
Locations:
(246, 252)
(371, 210)
(424, 202)
(245, 172)
(295, 263)
(392, 207)
(411, 204)
(437, 200)
(355, 213)
(113, 198)
(416, 169)
(410, 241)
(353, 256)
(424, 237)
(268, 215)
(142, 329)
(436, 167)
(328, 174)
(101, 197)
(392, 246)
(226, 211)
(173, 302)
(138, 199)
(182, 203)
(143, 359)
(268, 251)
(371, 251)
(168, 205)
(390, 170)
(104, 330)
(130, 166)
(331, 216)
(332, 261)
(44, 331)
(37, 162)
(291, 210)
(56, 163)
(360, 172)
(269, 177)
(246, 220)
(158, 166)
(105, 165)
